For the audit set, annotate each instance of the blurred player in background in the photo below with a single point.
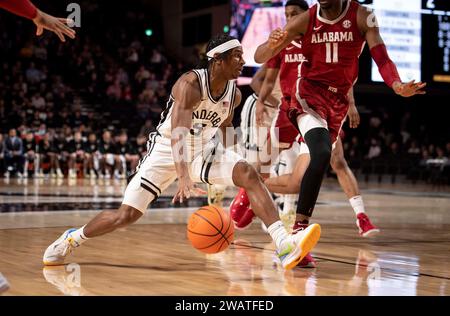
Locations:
(126, 157)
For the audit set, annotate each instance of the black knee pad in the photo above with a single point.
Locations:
(319, 144)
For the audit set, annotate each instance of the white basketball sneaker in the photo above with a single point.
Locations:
(57, 252)
(298, 246)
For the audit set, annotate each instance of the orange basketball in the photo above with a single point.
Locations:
(210, 229)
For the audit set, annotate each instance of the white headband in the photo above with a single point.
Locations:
(222, 48)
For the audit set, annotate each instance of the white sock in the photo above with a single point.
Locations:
(278, 233)
(79, 236)
(357, 204)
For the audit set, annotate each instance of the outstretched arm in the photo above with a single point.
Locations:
(42, 20)
(368, 25)
(279, 39)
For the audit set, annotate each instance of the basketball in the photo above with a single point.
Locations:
(210, 229)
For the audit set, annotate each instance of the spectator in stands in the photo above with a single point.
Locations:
(51, 151)
(78, 119)
(2, 155)
(64, 147)
(76, 149)
(440, 155)
(374, 149)
(141, 145)
(147, 128)
(33, 75)
(37, 101)
(114, 91)
(14, 159)
(126, 157)
(107, 152)
(142, 75)
(31, 155)
(91, 155)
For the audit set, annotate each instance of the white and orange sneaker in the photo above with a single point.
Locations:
(366, 228)
(240, 211)
(298, 246)
(57, 252)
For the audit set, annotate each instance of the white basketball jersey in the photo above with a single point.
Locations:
(206, 118)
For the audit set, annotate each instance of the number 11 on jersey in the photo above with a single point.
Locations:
(332, 53)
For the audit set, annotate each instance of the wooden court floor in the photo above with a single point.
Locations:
(411, 256)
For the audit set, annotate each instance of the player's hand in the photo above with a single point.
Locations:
(56, 25)
(353, 116)
(261, 113)
(409, 89)
(276, 38)
(186, 188)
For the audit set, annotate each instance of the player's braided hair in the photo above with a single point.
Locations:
(214, 42)
(300, 3)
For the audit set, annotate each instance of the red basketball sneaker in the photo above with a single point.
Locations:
(308, 261)
(366, 229)
(245, 220)
(240, 211)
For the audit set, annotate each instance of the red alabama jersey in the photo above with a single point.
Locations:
(333, 49)
(289, 61)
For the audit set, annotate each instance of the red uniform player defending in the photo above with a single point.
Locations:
(334, 33)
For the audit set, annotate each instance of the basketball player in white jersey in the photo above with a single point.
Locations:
(184, 147)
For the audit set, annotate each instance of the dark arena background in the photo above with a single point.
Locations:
(106, 89)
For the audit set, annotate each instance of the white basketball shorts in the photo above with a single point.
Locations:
(156, 171)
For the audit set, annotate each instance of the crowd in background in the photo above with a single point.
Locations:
(86, 107)
(403, 143)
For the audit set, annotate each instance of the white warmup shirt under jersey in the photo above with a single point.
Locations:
(206, 118)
